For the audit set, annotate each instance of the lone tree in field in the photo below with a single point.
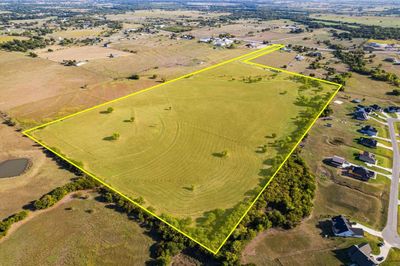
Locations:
(134, 77)
(110, 110)
(221, 154)
(115, 136)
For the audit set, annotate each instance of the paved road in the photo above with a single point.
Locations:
(390, 233)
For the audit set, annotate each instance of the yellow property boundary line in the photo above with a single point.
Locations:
(257, 53)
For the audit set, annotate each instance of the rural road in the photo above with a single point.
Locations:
(390, 233)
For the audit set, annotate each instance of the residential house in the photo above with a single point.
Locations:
(369, 131)
(374, 46)
(187, 37)
(299, 57)
(224, 42)
(390, 59)
(361, 173)
(339, 162)
(251, 45)
(341, 227)
(315, 54)
(368, 142)
(376, 108)
(285, 49)
(361, 255)
(392, 109)
(367, 157)
(205, 40)
(360, 115)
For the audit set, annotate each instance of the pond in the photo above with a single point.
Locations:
(14, 167)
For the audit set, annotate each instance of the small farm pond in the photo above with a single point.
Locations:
(13, 167)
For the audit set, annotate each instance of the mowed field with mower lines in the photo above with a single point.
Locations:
(190, 146)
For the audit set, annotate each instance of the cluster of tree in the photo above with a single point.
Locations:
(69, 62)
(301, 48)
(7, 222)
(315, 64)
(341, 78)
(67, 41)
(226, 35)
(89, 41)
(287, 202)
(351, 30)
(252, 79)
(48, 200)
(57, 194)
(24, 45)
(328, 111)
(134, 77)
(395, 92)
(357, 63)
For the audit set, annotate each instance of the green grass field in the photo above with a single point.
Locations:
(197, 150)
(387, 21)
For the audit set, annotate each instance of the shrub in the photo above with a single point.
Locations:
(32, 54)
(6, 223)
(134, 77)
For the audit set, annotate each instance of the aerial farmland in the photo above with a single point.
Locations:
(178, 149)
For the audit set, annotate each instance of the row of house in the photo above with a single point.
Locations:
(358, 254)
(355, 171)
(393, 60)
(362, 112)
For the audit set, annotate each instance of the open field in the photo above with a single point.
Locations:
(303, 245)
(42, 176)
(97, 81)
(77, 232)
(37, 79)
(161, 56)
(84, 53)
(367, 20)
(141, 15)
(6, 38)
(183, 163)
(71, 33)
(249, 30)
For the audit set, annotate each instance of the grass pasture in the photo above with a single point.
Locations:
(198, 149)
(90, 234)
(84, 53)
(6, 38)
(77, 33)
(387, 21)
